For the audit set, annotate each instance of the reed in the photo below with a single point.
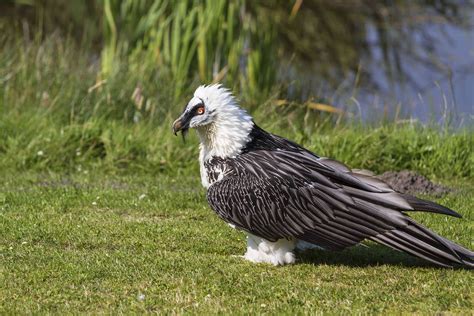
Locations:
(193, 41)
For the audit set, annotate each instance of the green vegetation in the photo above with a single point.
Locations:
(56, 116)
(253, 45)
(100, 243)
(101, 208)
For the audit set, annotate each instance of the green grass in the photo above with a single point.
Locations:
(36, 141)
(56, 114)
(99, 243)
(101, 209)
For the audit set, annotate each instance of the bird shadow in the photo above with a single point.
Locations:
(362, 256)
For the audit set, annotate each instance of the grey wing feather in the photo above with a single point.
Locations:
(280, 194)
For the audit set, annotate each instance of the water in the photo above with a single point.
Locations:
(437, 94)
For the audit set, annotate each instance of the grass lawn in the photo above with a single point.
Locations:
(101, 209)
(99, 243)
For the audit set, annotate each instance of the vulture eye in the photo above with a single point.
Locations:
(200, 110)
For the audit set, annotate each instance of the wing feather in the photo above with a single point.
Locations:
(289, 193)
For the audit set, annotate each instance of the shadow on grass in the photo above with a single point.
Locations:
(360, 256)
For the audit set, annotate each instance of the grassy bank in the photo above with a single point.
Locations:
(103, 243)
(104, 215)
(37, 142)
(101, 208)
(58, 114)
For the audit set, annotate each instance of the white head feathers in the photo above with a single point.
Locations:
(226, 128)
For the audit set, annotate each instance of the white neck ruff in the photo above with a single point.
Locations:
(225, 137)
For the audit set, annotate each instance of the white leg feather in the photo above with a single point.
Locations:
(276, 253)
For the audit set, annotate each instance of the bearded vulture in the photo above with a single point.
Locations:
(284, 196)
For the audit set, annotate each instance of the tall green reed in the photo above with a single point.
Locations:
(194, 41)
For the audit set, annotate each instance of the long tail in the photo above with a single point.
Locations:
(419, 241)
(379, 214)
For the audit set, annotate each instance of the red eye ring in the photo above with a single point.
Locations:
(200, 110)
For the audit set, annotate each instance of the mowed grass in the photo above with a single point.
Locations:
(101, 209)
(99, 243)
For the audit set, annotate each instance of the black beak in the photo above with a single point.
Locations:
(177, 126)
(182, 124)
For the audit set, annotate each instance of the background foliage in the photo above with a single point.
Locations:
(96, 84)
(101, 209)
(250, 45)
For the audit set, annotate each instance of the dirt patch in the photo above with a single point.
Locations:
(410, 182)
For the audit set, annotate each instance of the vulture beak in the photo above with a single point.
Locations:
(177, 126)
(182, 123)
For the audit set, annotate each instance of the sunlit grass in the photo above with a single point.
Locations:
(101, 208)
(56, 115)
(99, 243)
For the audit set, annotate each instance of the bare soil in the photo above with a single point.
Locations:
(411, 182)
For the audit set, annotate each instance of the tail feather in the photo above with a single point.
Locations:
(400, 246)
(465, 255)
(423, 243)
(428, 206)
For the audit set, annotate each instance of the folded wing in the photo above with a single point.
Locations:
(292, 193)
